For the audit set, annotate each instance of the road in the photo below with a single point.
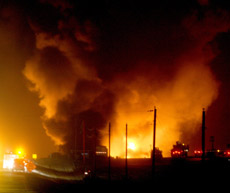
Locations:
(14, 183)
(190, 172)
(33, 183)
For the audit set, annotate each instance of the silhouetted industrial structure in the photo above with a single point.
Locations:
(203, 134)
(180, 150)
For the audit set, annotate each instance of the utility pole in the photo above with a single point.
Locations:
(203, 135)
(75, 140)
(109, 172)
(83, 145)
(95, 152)
(154, 142)
(126, 153)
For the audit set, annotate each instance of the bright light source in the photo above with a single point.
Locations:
(34, 156)
(86, 173)
(20, 152)
(8, 161)
(131, 146)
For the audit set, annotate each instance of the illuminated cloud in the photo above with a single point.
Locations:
(116, 62)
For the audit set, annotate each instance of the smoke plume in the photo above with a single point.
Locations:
(115, 63)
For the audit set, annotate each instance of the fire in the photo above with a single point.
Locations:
(122, 85)
(179, 105)
(131, 146)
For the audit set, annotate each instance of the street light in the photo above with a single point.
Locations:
(20, 152)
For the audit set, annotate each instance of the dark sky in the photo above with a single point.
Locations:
(65, 62)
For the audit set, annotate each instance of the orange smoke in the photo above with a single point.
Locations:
(54, 71)
(178, 101)
(82, 75)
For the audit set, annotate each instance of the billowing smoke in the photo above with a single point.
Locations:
(70, 91)
(115, 63)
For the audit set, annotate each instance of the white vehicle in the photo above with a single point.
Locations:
(8, 160)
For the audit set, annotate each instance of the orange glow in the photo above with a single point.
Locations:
(178, 97)
(20, 152)
(179, 105)
(34, 156)
(131, 146)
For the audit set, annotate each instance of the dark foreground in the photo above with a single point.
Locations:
(169, 173)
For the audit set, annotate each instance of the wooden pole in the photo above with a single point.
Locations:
(126, 154)
(83, 135)
(203, 135)
(154, 142)
(109, 172)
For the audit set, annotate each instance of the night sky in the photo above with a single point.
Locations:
(65, 64)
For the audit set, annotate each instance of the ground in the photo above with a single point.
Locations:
(169, 173)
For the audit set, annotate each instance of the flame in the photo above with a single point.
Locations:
(179, 105)
(61, 64)
(132, 146)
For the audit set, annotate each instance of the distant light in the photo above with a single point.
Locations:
(20, 152)
(87, 172)
(34, 156)
(131, 145)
